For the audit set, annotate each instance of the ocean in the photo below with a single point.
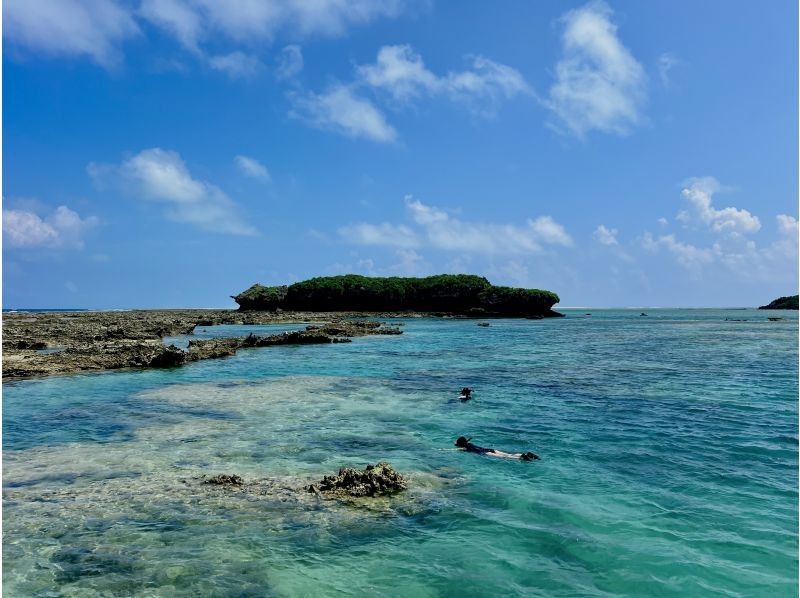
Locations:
(668, 444)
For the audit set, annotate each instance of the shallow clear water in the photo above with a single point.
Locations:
(669, 465)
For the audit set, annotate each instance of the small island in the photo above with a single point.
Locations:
(790, 302)
(457, 294)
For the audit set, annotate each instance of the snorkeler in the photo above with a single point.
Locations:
(464, 443)
(466, 394)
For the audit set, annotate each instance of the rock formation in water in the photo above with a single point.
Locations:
(448, 293)
(374, 480)
(103, 341)
(790, 302)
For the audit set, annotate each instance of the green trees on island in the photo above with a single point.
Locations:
(454, 293)
(790, 302)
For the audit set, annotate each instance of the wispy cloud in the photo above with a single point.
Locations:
(290, 62)
(98, 28)
(384, 234)
(252, 168)
(62, 228)
(161, 175)
(666, 62)
(71, 28)
(436, 228)
(237, 65)
(599, 84)
(176, 17)
(401, 72)
(340, 109)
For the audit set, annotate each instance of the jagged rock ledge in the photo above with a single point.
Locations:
(373, 480)
(86, 345)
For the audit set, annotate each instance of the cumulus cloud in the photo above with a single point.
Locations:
(340, 109)
(72, 28)
(599, 84)
(729, 248)
(63, 228)
(699, 192)
(605, 236)
(252, 168)
(438, 229)
(161, 175)
(290, 62)
(401, 72)
(237, 65)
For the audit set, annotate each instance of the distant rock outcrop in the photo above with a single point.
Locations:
(447, 293)
(790, 302)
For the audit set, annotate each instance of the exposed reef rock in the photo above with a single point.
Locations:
(790, 302)
(374, 480)
(90, 341)
(451, 293)
(224, 479)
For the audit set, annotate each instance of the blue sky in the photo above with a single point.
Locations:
(169, 153)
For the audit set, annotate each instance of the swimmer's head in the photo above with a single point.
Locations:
(462, 442)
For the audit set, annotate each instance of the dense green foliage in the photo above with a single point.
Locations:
(790, 302)
(454, 293)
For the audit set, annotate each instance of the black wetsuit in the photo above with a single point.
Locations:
(474, 448)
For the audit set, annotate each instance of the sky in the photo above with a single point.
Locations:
(171, 153)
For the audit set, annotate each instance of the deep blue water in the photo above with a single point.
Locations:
(669, 464)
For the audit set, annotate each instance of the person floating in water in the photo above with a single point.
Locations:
(466, 394)
(464, 443)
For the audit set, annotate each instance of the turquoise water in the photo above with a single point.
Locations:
(669, 465)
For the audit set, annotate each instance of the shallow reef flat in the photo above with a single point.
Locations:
(41, 344)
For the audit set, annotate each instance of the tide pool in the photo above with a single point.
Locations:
(668, 443)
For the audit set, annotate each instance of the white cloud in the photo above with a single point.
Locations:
(699, 192)
(237, 65)
(437, 229)
(384, 234)
(161, 175)
(97, 28)
(445, 232)
(178, 18)
(250, 20)
(92, 28)
(63, 228)
(252, 168)
(687, 255)
(341, 110)
(605, 236)
(290, 62)
(401, 72)
(666, 62)
(599, 84)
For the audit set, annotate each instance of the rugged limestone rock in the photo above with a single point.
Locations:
(112, 340)
(374, 480)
